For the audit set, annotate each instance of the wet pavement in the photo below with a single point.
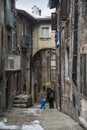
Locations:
(50, 119)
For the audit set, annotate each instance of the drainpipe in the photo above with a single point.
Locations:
(59, 78)
(30, 74)
(60, 102)
(31, 64)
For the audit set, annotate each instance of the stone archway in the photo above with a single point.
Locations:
(44, 68)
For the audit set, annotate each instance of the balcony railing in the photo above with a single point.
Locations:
(12, 62)
(25, 41)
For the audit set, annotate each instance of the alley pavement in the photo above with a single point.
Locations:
(50, 119)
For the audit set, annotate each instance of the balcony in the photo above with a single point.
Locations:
(25, 41)
(12, 62)
(9, 18)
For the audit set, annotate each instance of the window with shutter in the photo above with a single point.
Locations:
(53, 21)
(45, 32)
(63, 10)
(53, 3)
(83, 74)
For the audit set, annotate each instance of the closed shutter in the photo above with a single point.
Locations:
(53, 21)
(83, 74)
(53, 3)
(63, 10)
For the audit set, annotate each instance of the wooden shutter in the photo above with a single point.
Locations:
(83, 74)
(53, 21)
(63, 10)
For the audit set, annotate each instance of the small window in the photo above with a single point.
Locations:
(53, 64)
(9, 45)
(74, 100)
(67, 61)
(20, 27)
(45, 32)
(24, 28)
(13, 40)
(83, 74)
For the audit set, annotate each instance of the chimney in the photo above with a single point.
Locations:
(39, 12)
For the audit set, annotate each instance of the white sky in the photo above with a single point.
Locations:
(28, 4)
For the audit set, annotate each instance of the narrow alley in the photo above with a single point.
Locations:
(37, 119)
(43, 59)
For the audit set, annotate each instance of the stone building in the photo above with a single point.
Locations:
(44, 57)
(25, 23)
(71, 28)
(27, 56)
(2, 48)
(8, 59)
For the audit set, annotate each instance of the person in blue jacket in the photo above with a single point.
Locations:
(42, 103)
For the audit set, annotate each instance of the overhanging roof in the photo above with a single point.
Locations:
(23, 13)
(53, 3)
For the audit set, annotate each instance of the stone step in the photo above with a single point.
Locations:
(22, 101)
(20, 105)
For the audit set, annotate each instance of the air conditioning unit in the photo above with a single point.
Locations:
(13, 62)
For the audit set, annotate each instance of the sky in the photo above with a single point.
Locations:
(28, 4)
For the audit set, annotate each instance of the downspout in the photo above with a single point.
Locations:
(59, 78)
(60, 102)
(74, 69)
(31, 64)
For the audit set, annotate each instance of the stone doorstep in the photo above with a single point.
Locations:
(20, 101)
(20, 105)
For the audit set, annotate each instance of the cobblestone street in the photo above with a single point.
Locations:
(50, 119)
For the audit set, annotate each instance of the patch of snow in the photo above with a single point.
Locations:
(22, 96)
(10, 127)
(5, 120)
(33, 111)
(36, 122)
(35, 125)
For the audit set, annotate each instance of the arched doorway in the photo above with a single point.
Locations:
(44, 69)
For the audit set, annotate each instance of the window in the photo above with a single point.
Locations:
(24, 27)
(83, 74)
(53, 21)
(20, 27)
(45, 32)
(67, 61)
(9, 46)
(74, 100)
(53, 64)
(13, 40)
(84, 10)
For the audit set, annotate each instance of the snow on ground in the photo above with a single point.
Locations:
(35, 125)
(4, 126)
(33, 111)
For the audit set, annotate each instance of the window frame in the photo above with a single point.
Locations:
(83, 74)
(43, 32)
